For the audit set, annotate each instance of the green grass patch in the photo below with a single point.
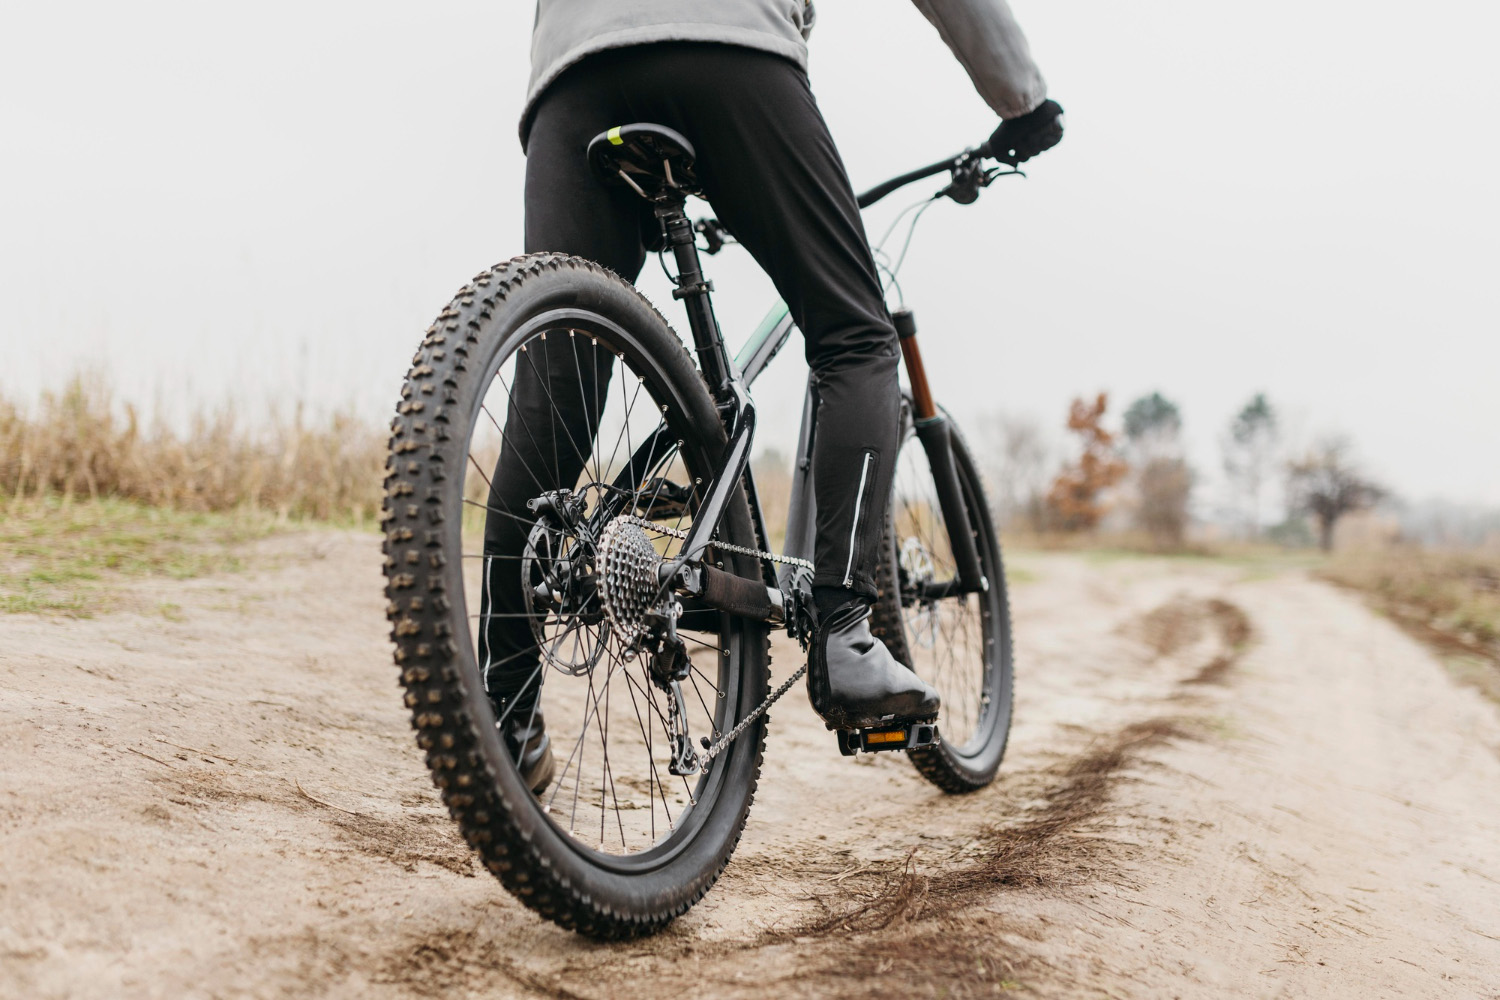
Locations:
(67, 557)
(1256, 561)
(1017, 575)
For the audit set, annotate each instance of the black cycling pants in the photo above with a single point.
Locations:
(768, 166)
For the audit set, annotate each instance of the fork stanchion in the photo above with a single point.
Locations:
(921, 395)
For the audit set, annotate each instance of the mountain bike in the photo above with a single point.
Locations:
(648, 580)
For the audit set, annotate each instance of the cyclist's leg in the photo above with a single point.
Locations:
(552, 411)
(774, 176)
(771, 171)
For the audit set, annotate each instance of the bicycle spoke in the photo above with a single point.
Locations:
(647, 694)
(577, 745)
(699, 692)
(650, 756)
(507, 442)
(497, 510)
(546, 383)
(950, 640)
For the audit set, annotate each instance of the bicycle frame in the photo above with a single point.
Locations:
(783, 596)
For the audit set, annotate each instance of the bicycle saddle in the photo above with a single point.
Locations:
(652, 159)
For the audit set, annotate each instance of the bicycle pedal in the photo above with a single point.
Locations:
(903, 736)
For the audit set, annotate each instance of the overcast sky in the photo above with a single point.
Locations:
(269, 202)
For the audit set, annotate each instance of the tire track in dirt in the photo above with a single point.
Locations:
(927, 915)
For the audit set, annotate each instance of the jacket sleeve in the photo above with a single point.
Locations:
(984, 36)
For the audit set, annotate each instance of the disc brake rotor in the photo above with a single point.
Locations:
(569, 632)
(921, 618)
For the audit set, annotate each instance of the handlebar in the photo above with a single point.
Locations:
(884, 188)
(969, 175)
(968, 171)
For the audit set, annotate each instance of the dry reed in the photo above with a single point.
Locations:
(78, 443)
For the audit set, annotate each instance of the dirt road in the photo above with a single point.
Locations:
(1221, 783)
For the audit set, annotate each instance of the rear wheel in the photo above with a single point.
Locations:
(960, 645)
(616, 845)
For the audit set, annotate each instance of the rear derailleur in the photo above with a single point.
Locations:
(668, 668)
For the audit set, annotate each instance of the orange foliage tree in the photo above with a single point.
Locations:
(1074, 499)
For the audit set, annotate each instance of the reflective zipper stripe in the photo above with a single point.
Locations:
(485, 610)
(859, 498)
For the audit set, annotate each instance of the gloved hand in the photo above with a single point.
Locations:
(1019, 139)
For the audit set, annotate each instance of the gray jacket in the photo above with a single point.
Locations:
(983, 34)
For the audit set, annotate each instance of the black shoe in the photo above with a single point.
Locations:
(524, 732)
(854, 681)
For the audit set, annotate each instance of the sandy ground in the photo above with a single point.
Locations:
(1220, 783)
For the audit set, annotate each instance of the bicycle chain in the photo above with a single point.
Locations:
(739, 550)
(718, 746)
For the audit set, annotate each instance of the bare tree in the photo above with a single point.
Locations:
(1163, 481)
(1165, 487)
(1250, 448)
(1017, 459)
(1326, 484)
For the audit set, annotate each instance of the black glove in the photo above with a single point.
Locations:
(1019, 139)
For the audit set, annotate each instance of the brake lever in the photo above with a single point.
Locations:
(969, 176)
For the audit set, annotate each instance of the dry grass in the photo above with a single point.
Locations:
(1132, 543)
(1449, 600)
(79, 444)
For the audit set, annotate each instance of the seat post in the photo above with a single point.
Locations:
(694, 291)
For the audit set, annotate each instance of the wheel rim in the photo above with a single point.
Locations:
(611, 799)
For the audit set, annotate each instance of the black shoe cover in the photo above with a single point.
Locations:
(524, 732)
(854, 681)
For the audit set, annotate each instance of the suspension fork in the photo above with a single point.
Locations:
(936, 435)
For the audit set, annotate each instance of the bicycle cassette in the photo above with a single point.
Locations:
(629, 585)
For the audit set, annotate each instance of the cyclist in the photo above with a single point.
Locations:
(731, 76)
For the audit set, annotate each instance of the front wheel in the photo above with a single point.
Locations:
(961, 645)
